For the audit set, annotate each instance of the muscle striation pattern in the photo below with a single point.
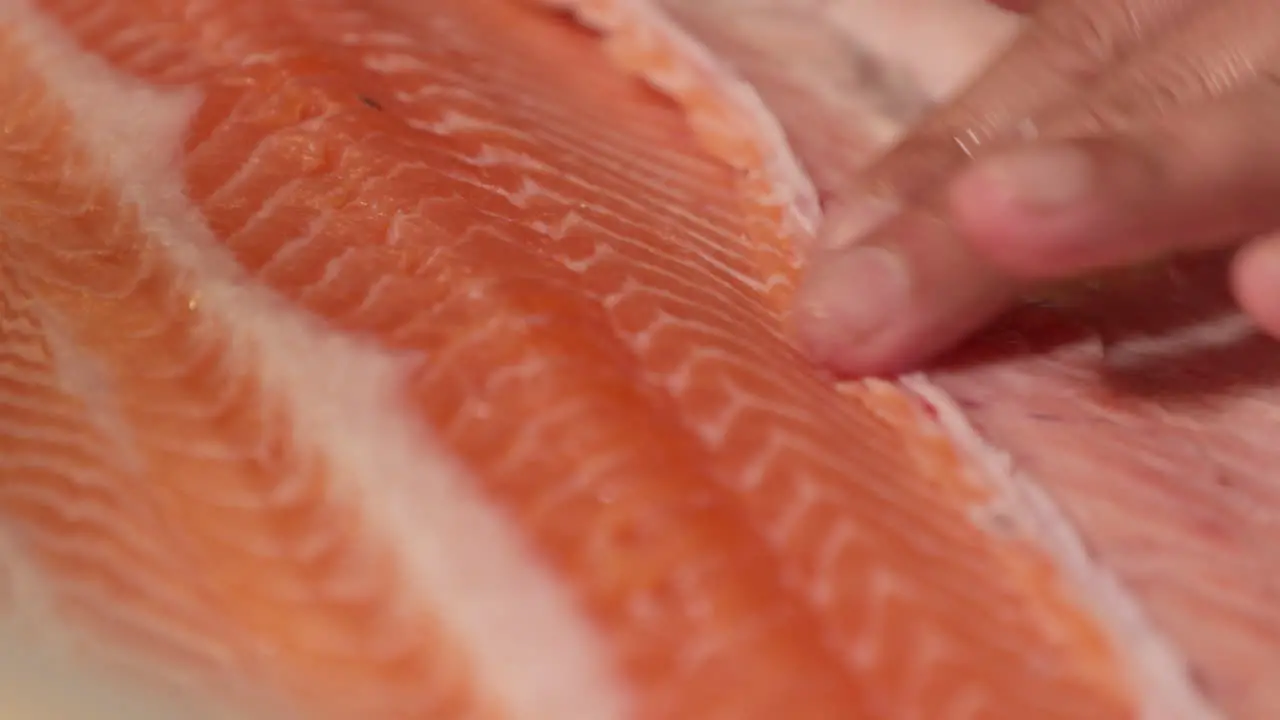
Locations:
(390, 359)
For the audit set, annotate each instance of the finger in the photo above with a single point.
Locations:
(1067, 44)
(1194, 65)
(1191, 65)
(883, 307)
(1205, 176)
(1255, 280)
(916, 288)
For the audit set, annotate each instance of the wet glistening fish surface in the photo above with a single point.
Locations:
(394, 359)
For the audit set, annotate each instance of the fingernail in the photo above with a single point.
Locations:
(851, 296)
(1042, 180)
(846, 224)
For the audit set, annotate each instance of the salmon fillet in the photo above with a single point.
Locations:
(1142, 404)
(390, 359)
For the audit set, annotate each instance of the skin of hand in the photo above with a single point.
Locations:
(1111, 133)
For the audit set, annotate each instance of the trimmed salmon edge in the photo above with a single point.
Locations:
(1033, 536)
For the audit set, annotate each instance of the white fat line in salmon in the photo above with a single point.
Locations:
(529, 646)
(47, 672)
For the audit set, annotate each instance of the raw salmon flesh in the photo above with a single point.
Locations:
(427, 360)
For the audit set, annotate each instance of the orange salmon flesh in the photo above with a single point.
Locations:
(428, 360)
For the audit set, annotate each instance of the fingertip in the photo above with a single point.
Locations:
(846, 303)
(890, 304)
(1255, 280)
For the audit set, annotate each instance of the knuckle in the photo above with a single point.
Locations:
(1069, 45)
(917, 163)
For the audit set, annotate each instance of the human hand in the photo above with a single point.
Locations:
(1112, 132)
